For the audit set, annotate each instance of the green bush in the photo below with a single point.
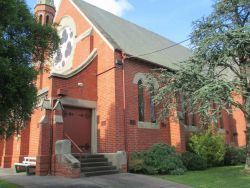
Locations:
(164, 159)
(209, 145)
(150, 170)
(178, 171)
(193, 161)
(138, 155)
(234, 155)
(136, 165)
(159, 159)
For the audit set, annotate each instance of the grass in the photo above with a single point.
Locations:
(229, 177)
(5, 184)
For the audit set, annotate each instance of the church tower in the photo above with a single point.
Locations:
(45, 11)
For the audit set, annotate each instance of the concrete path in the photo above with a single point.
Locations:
(124, 180)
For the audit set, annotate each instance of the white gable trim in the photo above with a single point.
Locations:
(58, 7)
(95, 28)
(82, 66)
(84, 35)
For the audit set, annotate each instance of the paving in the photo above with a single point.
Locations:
(122, 180)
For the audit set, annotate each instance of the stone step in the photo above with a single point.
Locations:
(98, 173)
(88, 160)
(97, 168)
(95, 164)
(79, 155)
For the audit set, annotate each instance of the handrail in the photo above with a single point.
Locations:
(77, 147)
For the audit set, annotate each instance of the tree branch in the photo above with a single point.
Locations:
(245, 19)
(232, 69)
(237, 105)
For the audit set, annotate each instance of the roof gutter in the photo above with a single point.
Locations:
(128, 56)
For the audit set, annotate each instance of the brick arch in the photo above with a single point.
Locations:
(142, 76)
(139, 76)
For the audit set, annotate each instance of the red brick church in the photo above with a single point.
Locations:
(92, 96)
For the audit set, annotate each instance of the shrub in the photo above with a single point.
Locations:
(136, 165)
(234, 155)
(138, 155)
(149, 170)
(209, 145)
(163, 158)
(159, 159)
(178, 171)
(193, 161)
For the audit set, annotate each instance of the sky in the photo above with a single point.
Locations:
(170, 18)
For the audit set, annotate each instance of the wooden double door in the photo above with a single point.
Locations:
(77, 126)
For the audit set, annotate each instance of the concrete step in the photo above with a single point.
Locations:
(98, 173)
(97, 168)
(95, 164)
(88, 160)
(79, 155)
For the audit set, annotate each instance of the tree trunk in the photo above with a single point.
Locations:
(247, 166)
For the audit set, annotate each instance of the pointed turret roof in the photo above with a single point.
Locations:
(46, 2)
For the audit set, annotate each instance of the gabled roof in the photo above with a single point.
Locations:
(133, 39)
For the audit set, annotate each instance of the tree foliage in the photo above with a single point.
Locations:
(218, 71)
(24, 45)
(217, 75)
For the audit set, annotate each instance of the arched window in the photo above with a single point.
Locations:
(193, 117)
(152, 108)
(221, 121)
(47, 19)
(40, 19)
(184, 109)
(140, 101)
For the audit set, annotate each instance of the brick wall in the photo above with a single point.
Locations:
(89, 89)
(16, 147)
(138, 138)
(233, 126)
(117, 103)
(238, 125)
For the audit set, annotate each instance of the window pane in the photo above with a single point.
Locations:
(152, 110)
(221, 121)
(140, 101)
(47, 19)
(40, 19)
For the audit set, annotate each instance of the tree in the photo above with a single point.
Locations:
(217, 75)
(24, 46)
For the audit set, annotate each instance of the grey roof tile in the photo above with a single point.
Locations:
(133, 39)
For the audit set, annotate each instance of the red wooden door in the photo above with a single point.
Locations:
(77, 125)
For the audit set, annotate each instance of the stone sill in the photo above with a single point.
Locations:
(190, 128)
(148, 125)
(221, 131)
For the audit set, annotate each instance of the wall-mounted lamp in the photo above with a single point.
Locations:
(80, 84)
(118, 62)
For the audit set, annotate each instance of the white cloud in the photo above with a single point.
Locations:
(117, 7)
(57, 2)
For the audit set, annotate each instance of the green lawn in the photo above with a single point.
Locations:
(229, 177)
(5, 184)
